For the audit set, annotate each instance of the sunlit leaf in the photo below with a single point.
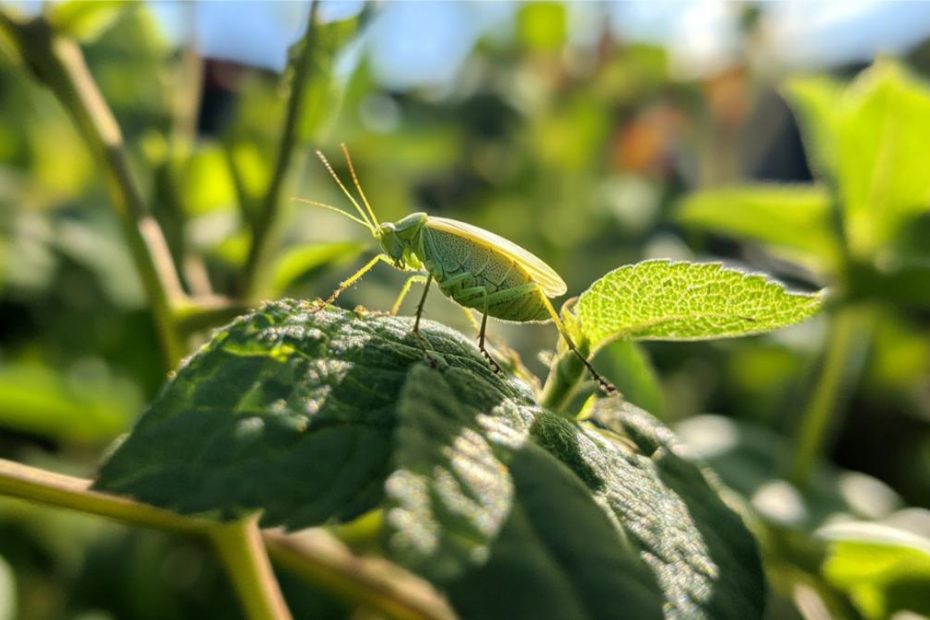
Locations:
(882, 154)
(451, 492)
(815, 101)
(792, 218)
(664, 300)
(542, 26)
(289, 412)
(884, 569)
(83, 20)
(703, 557)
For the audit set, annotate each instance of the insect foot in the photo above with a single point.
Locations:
(493, 363)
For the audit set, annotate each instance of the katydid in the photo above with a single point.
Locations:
(474, 267)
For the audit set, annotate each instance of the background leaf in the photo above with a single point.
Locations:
(884, 569)
(814, 100)
(789, 218)
(882, 155)
(664, 300)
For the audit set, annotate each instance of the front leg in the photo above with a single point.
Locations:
(355, 277)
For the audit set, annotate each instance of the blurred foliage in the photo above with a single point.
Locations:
(592, 156)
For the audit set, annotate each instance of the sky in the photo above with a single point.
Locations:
(424, 43)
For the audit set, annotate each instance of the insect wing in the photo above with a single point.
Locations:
(543, 274)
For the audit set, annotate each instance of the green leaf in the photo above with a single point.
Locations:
(815, 101)
(664, 300)
(289, 412)
(323, 89)
(558, 555)
(882, 155)
(703, 557)
(81, 404)
(299, 262)
(884, 569)
(629, 368)
(85, 21)
(787, 218)
(451, 492)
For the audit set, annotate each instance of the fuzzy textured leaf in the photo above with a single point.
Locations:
(558, 555)
(451, 492)
(703, 557)
(287, 412)
(664, 300)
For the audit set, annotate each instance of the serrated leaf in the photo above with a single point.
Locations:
(558, 556)
(793, 219)
(287, 412)
(702, 555)
(884, 569)
(451, 492)
(664, 300)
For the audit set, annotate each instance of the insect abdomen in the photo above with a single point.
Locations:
(477, 276)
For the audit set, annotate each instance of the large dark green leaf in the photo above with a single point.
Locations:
(285, 411)
(315, 417)
(558, 555)
(704, 558)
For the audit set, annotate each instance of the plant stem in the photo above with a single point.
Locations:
(239, 544)
(314, 555)
(59, 63)
(266, 220)
(321, 558)
(565, 373)
(37, 485)
(842, 361)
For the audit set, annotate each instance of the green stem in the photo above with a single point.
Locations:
(37, 485)
(240, 546)
(842, 360)
(565, 373)
(314, 555)
(59, 63)
(266, 220)
(320, 558)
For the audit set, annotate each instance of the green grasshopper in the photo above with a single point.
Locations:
(475, 268)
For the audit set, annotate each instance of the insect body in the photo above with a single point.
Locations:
(474, 267)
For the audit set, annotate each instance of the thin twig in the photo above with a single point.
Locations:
(266, 220)
(59, 63)
(313, 555)
(376, 583)
(239, 544)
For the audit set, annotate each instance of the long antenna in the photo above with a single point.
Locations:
(336, 209)
(351, 198)
(358, 186)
